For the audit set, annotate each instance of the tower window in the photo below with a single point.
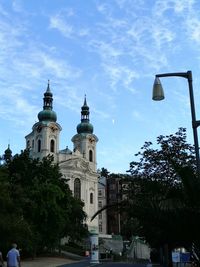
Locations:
(32, 143)
(91, 198)
(90, 156)
(39, 145)
(100, 228)
(52, 146)
(77, 188)
(28, 144)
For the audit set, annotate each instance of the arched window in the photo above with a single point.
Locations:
(28, 144)
(32, 144)
(77, 188)
(39, 145)
(90, 156)
(91, 198)
(52, 146)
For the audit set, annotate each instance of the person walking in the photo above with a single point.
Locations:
(1, 260)
(13, 257)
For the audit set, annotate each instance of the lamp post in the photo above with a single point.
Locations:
(158, 94)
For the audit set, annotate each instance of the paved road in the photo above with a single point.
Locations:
(102, 264)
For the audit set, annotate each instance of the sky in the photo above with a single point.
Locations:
(109, 50)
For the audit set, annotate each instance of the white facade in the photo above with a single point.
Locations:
(79, 166)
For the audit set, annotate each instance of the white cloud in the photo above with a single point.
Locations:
(58, 23)
(136, 115)
(119, 74)
(20, 111)
(193, 29)
(84, 32)
(17, 6)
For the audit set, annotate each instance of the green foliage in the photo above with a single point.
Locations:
(159, 164)
(164, 192)
(37, 205)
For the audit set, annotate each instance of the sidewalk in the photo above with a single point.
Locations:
(46, 262)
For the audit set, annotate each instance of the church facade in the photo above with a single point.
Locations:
(78, 166)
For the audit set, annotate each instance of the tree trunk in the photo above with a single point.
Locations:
(167, 259)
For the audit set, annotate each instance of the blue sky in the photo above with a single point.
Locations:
(109, 50)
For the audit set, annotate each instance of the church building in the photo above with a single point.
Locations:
(78, 166)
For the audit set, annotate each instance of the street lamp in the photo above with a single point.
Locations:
(158, 94)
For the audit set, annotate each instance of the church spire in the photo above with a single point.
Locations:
(47, 114)
(85, 112)
(7, 154)
(85, 126)
(48, 98)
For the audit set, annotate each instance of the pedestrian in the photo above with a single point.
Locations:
(13, 257)
(1, 260)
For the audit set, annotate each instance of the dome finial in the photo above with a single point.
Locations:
(48, 87)
(85, 101)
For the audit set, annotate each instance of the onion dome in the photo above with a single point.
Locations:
(8, 154)
(85, 126)
(47, 114)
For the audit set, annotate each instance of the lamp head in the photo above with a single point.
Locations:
(158, 92)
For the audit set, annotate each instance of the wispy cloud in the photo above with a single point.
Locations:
(57, 22)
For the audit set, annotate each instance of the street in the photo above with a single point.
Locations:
(103, 264)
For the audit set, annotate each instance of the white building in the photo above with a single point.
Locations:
(78, 166)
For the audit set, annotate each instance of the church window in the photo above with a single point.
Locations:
(77, 188)
(52, 146)
(91, 198)
(28, 144)
(99, 192)
(100, 228)
(100, 204)
(90, 156)
(39, 145)
(32, 143)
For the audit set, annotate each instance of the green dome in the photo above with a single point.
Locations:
(47, 115)
(8, 151)
(84, 127)
(8, 154)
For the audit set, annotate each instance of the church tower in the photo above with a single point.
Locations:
(79, 166)
(85, 141)
(44, 138)
(7, 154)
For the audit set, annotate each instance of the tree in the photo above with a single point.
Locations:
(164, 192)
(162, 199)
(12, 224)
(43, 202)
(158, 164)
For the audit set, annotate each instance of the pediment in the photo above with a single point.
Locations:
(75, 164)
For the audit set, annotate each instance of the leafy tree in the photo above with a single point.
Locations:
(158, 164)
(42, 201)
(162, 199)
(13, 226)
(164, 192)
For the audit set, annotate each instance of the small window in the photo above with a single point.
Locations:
(32, 143)
(100, 204)
(52, 146)
(100, 228)
(28, 144)
(39, 145)
(91, 198)
(77, 188)
(90, 156)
